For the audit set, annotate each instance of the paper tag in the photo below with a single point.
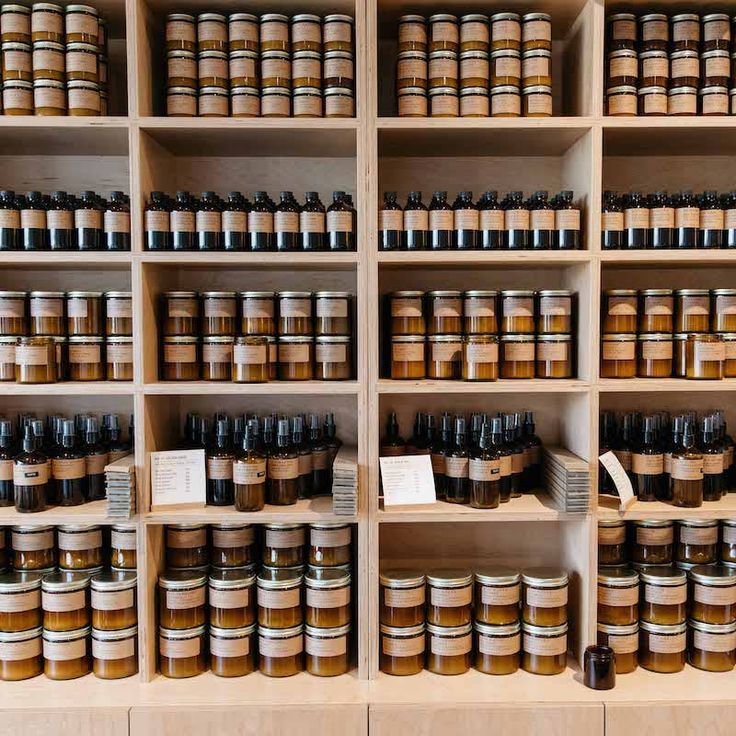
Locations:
(407, 480)
(178, 478)
(620, 479)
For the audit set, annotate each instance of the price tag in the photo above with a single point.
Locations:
(178, 479)
(620, 479)
(407, 480)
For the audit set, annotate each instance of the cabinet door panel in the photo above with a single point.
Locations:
(65, 722)
(670, 719)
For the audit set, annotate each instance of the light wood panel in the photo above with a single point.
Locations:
(65, 721)
(670, 719)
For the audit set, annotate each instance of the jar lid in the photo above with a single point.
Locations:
(338, 18)
(667, 629)
(274, 18)
(537, 89)
(343, 55)
(621, 16)
(545, 52)
(289, 633)
(444, 338)
(327, 633)
(218, 339)
(67, 635)
(181, 579)
(12, 294)
(507, 52)
(111, 580)
(28, 529)
(493, 575)
(231, 526)
(713, 575)
(25, 635)
(227, 578)
(450, 577)
(505, 630)
(8, 340)
(618, 337)
(449, 631)
(19, 582)
(47, 7)
(213, 91)
(548, 631)
(218, 294)
(666, 576)
(652, 16)
(180, 16)
(305, 18)
(528, 293)
(347, 92)
(81, 9)
(691, 292)
(233, 633)
(480, 339)
(116, 635)
(685, 16)
(652, 54)
(329, 524)
(622, 89)
(517, 338)
(16, 46)
(443, 17)
(80, 340)
(481, 293)
(256, 294)
(278, 578)
(474, 18)
(617, 577)
(444, 293)
(181, 340)
(325, 577)
(660, 292)
(294, 294)
(619, 630)
(464, 55)
(712, 628)
(334, 339)
(82, 84)
(714, 54)
(266, 55)
(89, 48)
(399, 294)
(78, 528)
(724, 292)
(65, 581)
(125, 528)
(714, 16)
(535, 16)
(410, 18)
(698, 522)
(555, 292)
(504, 89)
(652, 90)
(554, 338)
(504, 16)
(283, 527)
(652, 523)
(407, 338)
(181, 633)
(688, 53)
(184, 527)
(180, 295)
(713, 91)
(544, 577)
(620, 292)
(233, 17)
(120, 340)
(296, 339)
(17, 84)
(46, 295)
(84, 295)
(400, 578)
(609, 523)
(683, 91)
(655, 337)
(343, 294)
(728, 522)
(443, 92)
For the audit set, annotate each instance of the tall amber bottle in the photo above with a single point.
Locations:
(249, 472)
(283, 469)
(68, 469)
(6, 462)
(30, 476)
(686, 475)
(220, 467)
(456, 466)
(95, 457)
(647, 465)
(712, 462)
(485, 468)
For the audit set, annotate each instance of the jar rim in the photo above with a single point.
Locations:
(518, 338)
(449, 630)
(180, 295)
(659, 292)
(556, 292)
(181, 579)
(181, 340)
(256, 294)
(338, 17)
(64, 581)
(713, 575)
(545, 577)
(490, 293)
(555, 338)
(537, 52)
(182, 633)
(403, 631)
(408, 338)
(111, 580)
(13, 295)
(444, 338)
(620, 629)
(274, 17)
(116, 634)
(698, 522)
(78, 528)
(510, 52)
(218, 339)
(527, 293)
(654, 523)
(281, 633)
(442, 17)
(611, 522)
(445, 292)
(666, 577)
(119, 339)
(81, 339)
(72, 635)
(333, 525)
(328, 633)
(25, 635)
(652, 16)
(655, 337)
(724, 292)
(46, 294)
(278, 578)
(505, 16)
(305, 17)
(712, 628)
(332, 294)
(501, 630)
(399, 578)
(615, 577)
(685, 16)
(325, 577)
(283, 527)
(406, 293)
(450, 577)
(83, 294)
(296, 338)
(180, 16)
(294, 294)
(663, 628)
(536, 16)
(30, 529)
(469, 17)
(412, 18)
(497, 575)
(548, 631)
(339, 339)
(217, 294)
(238, 633)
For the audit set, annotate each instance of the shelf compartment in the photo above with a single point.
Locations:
(650, 259)
(608, 508)
(94, 512)
(665, 385)
(66, 260)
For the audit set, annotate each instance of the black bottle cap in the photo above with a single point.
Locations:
(436, 195)
(6, 428)
(415, 195)
(7, 194)
(312, 195)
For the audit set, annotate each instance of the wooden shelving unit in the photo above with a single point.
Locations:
(578, 148)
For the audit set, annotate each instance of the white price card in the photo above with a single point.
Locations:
(620, 479)
(178, 479)
(407, 480)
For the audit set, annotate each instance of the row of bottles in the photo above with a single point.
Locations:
(272, 459)
(60, 464)
(236, 224)
(538, 223)
(682, 460)
(483, 460)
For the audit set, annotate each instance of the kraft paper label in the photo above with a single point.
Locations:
(668, 595)
(220, 468)
(499, 646)
(228, 538)
(114, 600)
(619, 350)
(482, 352)
(406, 307)
(546, 646)
(63, 602)
(65, 651)
(280, 647)
(506, 595)
(283, 468)
(112, 650)
(618, 596)
(184, 599)
(656, 536)
(457, 467)
(450, 646)
(283, 539)
(19, 602)
(334, 598)
(332, 647)
(546, 597)
(404, 598)
(667, 643)
(179, 648)
(279, 599)
(647, 464)
(30, 475)
(239, 647)
(17, 651)
(451, 597)
(416, 220)
(329, 537)
(404, 647)
(624, 643)
(484, 470)
(62, 469)
(715, 595)
(186, 538)
(34, 542)
(407, 352)
(686, 469)
(79, 540)
(228, 599)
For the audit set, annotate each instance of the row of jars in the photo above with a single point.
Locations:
(437, 613)
(627, 101)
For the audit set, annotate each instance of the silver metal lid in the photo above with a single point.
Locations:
(497, 575)
(325, 577)
(231, 578)
(617, 577)
(713, 575)
(665, 577)
(524, 293)
(64, 582)
(506, 630)
(400, 578)
(117, 635)
(112, 580)
(654, 523)
(544, 577)
(403, 632)
(19, 582)
(289, 633)
(712, 628)
(67, 635)
(702, 523)
(621, 630)
(489, 293)
(449, 631)
(256, 294)
(663, 628)
(323, 633)
(11, 636)
(294, 294)
(233, 633)
(181, 633)
(181, 579)
(451, 293)
(450, 577)
(546, 631)
(278, 578)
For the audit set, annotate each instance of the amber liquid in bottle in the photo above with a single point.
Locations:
(283, 469)
(304, 452)
(69, 470)
(260, 223)
(320, 456)
(96, 459)
(183, 228)
(208, 218)
(712, 462)
(416, 223)
(220, 468)
(648, 466)
(456, 468)
(391, 218)
(286, 223)
(6, 463)
(392, 444)
(440, 447)
(30, 476)
(485, 468)
(312, 223)
(532, 478)
(515, 446)
(686, 479)
(249, 473)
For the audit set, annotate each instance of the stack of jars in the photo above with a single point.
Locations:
(475, 69)
(256, 336)
(49, 336)
(73, 620)
(675, 603)
(677, 65)
(452, 619)
(65, 70)
(272, 66)
(455, 335)
(539, 223)
(663, 333)
(264, 612)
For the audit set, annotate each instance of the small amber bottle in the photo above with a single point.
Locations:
(283, 469)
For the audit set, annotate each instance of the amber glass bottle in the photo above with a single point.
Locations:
(441, 223)
(440, 447)
(283, 469)
(95, 456)
(301, 445)
(647, 465)
(30, 476)
(183, 227)
(390, 223)
(260, 223)
(686, 476)
(6, 462)
(456, 466)
(466, 222)
(712, 462)
(69, 470)
(392, 443)
(416, 222)
(320, 458)
(286, 223)
(208, 218)
(312, 223)
(220, 457)
(485, 468)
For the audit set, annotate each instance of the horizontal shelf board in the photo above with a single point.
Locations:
(529, 507)
(462, 258)
(573, 385)
(304, 511)
(669, 258)
(645, 385)
(31, 122)
(290, 261)
(669, 136)
(46, 260)
(608, 508)
(63, 136)
(69, 388)
(214, 388)
(94, 512)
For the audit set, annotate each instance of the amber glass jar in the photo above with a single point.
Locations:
(186, 545)
(445, 312)
(182, 652)
(35, 360)
(544, 649)
(21, 654)
(663, 595)
(47, 313)
(611, 542)
(296, 358)
(80, 546)
(517, 312)
(327, 597)
(497, 596)
(250, 358)
(257, 309)
(555, 312)
(295, 313)
(619, 311)
(326, 650)
(697, 541)
(654, 356)
(281, 651)
(20, 601)
(657, 311)
(85, 358)
(217, 358)
(113, 600)
(618, 596)
(332, 313)
(651, 541)
(544, 600)
(118, 314)
(450, 594)
(180, 359)
(408, 357)
(497, 648)
(232, 597)
(34, 548)
(279, 597)
(402, 649)
(329, 544)
(712, 647)
(479, 312)
(84, 313)
(219, 310)
(712, 598)
(618, 356)
(444, 357)
(728, 540)
(624, 640)
(13, 313)
(64, 599)
(705, 356)
(232, 651)
(67, 653)
(182, 599)
(7, 358)
(517, 356)
(402, 598)
(692, 310)
(283, 545)
(333, 358)
(480, 358)
(407, 313)
(554, 356)
(449, 649)
(233, 545)
(181, 313)
(661, 647)
(724, 310)
(119, 358)
(115, 653)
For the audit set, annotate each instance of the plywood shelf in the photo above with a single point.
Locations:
(669, 258)
(291, 261)
(535, 385)
(272, 388)
(608, 508)
(451, 258)
(681, 385)
(67, 261)
(94, 512)
(69, 388)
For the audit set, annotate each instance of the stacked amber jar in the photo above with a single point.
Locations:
(669, 65)
(494, 619)
(78, 619)
(663, 333)
(54, 60)
(249, 66)
(48, 336)
(675, 603)
(275, 598)
(481, 335)
(475, 65)
(256, 336)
